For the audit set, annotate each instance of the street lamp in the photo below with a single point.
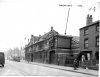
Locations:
(68, 13)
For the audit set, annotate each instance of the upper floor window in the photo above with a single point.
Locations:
(97, 27)
(86, 31)
(97, 41)
(86, 43)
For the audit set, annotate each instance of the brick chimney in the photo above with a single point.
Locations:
(89, 19)
(31, 39)
(32, 36)
(51, 28)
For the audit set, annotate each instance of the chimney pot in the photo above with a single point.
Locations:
(89, 19)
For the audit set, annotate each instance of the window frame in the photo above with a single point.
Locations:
(97, 41)
(97, 28)
(86, 31)
(85, 44)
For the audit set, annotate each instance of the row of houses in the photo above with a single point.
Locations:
(55, 48)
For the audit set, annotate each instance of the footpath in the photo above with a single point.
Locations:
(66, 68)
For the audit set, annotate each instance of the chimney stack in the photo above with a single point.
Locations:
(89, 19)
(51, 28)
(32, 36)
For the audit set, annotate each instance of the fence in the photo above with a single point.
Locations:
(69, 62)
(92, 64)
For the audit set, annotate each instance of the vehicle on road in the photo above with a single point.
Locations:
(17, 59)
(2, 58)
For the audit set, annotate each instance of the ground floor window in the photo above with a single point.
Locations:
(97, 55)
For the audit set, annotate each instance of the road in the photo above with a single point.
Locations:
(25, 69)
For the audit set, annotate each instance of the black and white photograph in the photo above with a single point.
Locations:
(49, 38)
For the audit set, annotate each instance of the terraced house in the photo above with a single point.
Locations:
(89, 41)
(52, 48)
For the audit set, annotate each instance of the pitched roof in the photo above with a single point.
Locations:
(90, 24)
(75, 42)
(46, 35)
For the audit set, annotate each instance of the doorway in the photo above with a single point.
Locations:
(52, 57)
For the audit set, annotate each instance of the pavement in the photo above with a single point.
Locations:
(66, 68)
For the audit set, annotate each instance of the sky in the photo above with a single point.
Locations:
(21, 18)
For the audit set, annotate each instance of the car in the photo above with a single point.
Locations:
(2, 59)
(17, 59)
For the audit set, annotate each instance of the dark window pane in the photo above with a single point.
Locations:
(97, 41)
(86, 43)
(86, 32)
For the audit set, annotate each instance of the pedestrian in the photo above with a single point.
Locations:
(75, 64)
(86, 63)
(58, 60)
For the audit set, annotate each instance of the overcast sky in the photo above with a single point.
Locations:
(21, 18)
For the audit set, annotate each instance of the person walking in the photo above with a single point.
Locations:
(75, 64)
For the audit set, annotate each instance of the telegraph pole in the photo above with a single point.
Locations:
(68, 14)
(67, 20)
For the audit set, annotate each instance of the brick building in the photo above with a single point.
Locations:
(52, 48)
(89, 40)
(28, 48)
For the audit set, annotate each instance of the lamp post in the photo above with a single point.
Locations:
(68, 13)
(26, 55)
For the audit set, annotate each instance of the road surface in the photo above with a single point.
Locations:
(25, 69)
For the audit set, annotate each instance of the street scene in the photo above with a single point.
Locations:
(36, 69)
(49, 38)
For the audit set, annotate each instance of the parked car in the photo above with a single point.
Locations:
(2, 58)
(17, 59)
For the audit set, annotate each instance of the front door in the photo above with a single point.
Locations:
(31, 57)
(52, 57)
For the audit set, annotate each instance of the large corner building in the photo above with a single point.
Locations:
(52, 48)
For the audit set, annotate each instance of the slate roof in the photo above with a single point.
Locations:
(46, 35)
(75, 42)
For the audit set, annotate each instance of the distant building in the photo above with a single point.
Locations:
(22, 53)
(28, 48)
(89, 39)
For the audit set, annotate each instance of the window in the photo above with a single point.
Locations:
(86, 43)
(86, 31)
(97, 41)
(97, 55)
(97, 27)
